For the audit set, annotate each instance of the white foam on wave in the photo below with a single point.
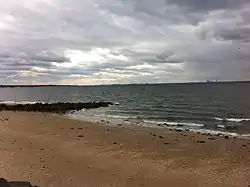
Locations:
(232, 119)
(174, 123)
(19, 102)
(116, 116)
(215, 132)
(117, 119)
(221, 126)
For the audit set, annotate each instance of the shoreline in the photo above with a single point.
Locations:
(53, 150)
(160, 125)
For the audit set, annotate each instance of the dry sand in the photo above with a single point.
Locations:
(54, 151)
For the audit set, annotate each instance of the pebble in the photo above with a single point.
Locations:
(202, 141)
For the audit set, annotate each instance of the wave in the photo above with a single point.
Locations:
(116, 116)
(19, 102)
(232, 119)
(174, 123)
(221, 126)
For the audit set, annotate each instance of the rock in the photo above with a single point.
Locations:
(154, 134)
(80, 136)
(114, 143)
(166, 143)
(159, 125)
(160, 137)
(179, 125)
(244, 145)
(202, 141)
(5, 183)
(80, 128)
(226, 137)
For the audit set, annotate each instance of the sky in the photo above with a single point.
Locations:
(123, 41)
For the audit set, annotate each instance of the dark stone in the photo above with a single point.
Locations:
(166, 143)
(160, 137)
(80, 128)
(211, 138)
(114, 143)
(159, 125)
(154, 135)
(5, 183)
(202, 141)
(244, 145)
(226, 137)
(72, 128)
(80, 136)
(41, 149)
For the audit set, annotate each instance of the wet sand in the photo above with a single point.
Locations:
(51, 150)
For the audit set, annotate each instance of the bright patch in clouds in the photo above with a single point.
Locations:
(123, 41)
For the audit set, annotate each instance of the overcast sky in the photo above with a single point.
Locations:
(123, 41)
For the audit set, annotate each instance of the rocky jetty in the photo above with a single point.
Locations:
(54, 107)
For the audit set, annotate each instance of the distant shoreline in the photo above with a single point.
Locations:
(187, 83)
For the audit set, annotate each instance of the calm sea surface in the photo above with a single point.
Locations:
(215, 107)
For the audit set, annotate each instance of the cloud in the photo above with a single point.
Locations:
(123, 41)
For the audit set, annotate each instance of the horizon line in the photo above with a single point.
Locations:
(64, 85)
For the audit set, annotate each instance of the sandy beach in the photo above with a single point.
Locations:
(50, 150)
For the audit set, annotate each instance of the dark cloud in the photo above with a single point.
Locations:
(200, 6)
(240, 34)
(49, 57)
